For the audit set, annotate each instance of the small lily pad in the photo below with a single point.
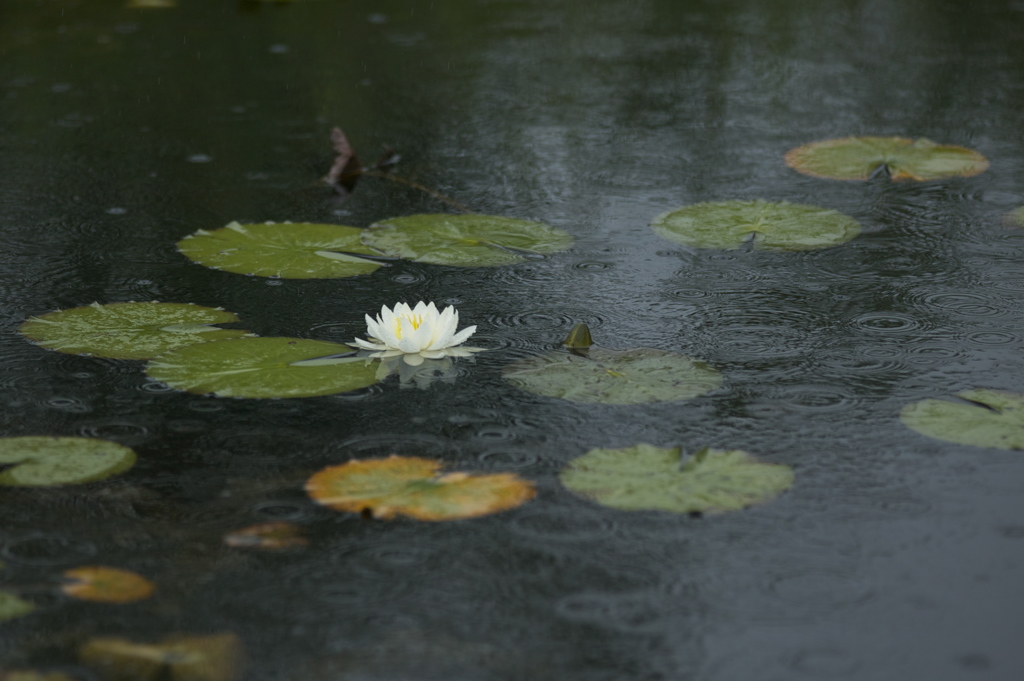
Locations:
(128, 330)
(416, 488)
(465, 240)
(289, 250)
(177, 658)
(30, 675)
(1015, 218)
(639, 376)
(12, 606)
(981, 418)
(264, 368)
(268, 536)
(106, 585)
(43, 461)
(766, 225)
(859, 158)
(644, 477)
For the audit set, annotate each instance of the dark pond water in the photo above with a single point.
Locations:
(894, 556)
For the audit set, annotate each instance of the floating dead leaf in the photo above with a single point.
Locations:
(178, 658)
(151, 4)
(272, 536)
(106, 584)
(417, 488)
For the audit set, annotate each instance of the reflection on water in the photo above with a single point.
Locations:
(127, 129)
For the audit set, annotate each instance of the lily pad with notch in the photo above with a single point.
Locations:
(758, 224)
(979, 418)
(38, 461)
(288, 250)
(264, 368)
(104, 584)
(217, 657)
(645, 477)
(901, 158)
(465, 240)
(129, 330)
(599, 375)
(415, 487)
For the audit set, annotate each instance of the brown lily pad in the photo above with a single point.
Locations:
(269, 536)
(415, 487)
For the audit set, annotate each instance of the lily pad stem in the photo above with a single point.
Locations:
(416, 185)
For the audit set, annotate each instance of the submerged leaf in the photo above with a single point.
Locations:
(860, 158)
(289, 250)
(644, 477)
(177, 658)
(128, 330)
(764, 225)
(43, 461)
(638, 376)
(465, 240)
(12, 606)
(415, 487)
(263, 368)
(106, 585)
(984, 418)
(270, 536)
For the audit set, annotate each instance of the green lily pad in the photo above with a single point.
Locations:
(859, 158)
(218, 657)
(767, 225)
(647, 477)
(289, 250)
(465, 240)
(12, 606)
(638, 376)
(128, 330)
(986, 418)
(43, 461)
(263, 368)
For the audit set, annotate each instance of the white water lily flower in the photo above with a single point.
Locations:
(416, 333)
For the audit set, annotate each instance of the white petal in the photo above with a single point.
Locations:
(433, 354)
(366, 345)
(461, 336)
(412, 359)
(372, 327)
(407, 343)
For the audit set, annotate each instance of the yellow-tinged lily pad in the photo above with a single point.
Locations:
(178, 658)
(129, 330)
(765, 225)
(106, 585)
(289, 250)
(465, 240)
(264, 368)
(598, 375)
(859, 158)
(416, 488)
(36, 461)
(644, 477)
(980, 418)
(12, 606)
